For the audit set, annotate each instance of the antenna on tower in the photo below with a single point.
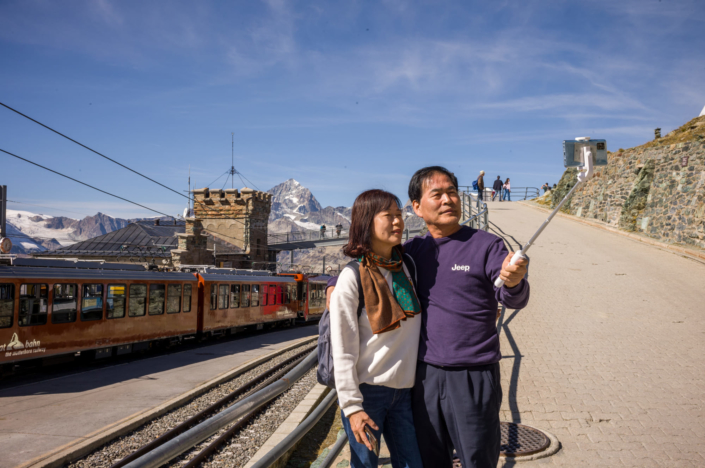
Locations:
(232, 160)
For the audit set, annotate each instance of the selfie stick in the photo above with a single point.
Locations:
(584, 174)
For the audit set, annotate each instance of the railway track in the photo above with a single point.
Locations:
(130, 450)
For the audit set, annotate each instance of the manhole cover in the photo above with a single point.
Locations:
(519, 440)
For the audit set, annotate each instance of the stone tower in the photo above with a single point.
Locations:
(237, 217)
(192, 248)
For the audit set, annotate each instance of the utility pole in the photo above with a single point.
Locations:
(324, 264)
(3, 210)
(5, 242)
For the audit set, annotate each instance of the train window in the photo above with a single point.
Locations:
(289, 291)
(7, 305)
(245, 296)
(272, 294)
(265, 295)
(223, 297)
(255, 295)
(214, 296)
(33, 304)
(116, 301)
(92, 302)
(187, 297)
(234, 296)
(173, 299)
(280, 288)
(156, 299)
(138, 300)
(64, 303)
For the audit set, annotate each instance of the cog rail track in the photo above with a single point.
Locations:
(257, 383)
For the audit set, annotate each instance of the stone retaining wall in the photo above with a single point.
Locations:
(658, 190)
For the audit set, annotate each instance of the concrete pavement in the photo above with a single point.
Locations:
(608, 355)
(38, 417)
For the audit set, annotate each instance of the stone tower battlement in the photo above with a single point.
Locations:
(238, 217)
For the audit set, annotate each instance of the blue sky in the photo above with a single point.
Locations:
(342, 96)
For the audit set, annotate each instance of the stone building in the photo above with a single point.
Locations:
(657, 188)
(236, 217)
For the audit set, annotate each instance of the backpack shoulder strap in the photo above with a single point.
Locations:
(355, 267)
(411, 266)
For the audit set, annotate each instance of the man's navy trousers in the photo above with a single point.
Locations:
(457, 407)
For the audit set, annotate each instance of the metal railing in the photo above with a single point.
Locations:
(523, 193)
(474, 210)
(305, 236)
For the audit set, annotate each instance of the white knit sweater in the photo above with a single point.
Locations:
(359, 356)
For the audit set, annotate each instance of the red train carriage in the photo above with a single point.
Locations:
(50, 311)
(316, 303)
(232, 301)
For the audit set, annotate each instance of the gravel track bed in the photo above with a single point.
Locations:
(246, 442)
(125, 445)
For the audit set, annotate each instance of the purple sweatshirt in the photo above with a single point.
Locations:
(456, 277)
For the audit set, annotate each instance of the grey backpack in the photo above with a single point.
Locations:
(325, 373)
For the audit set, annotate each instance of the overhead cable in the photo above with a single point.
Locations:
(87, 185)
(91, 149)
(118, 163)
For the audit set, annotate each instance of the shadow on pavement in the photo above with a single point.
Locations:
(146, 368)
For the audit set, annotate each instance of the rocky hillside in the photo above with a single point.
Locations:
(657, 189)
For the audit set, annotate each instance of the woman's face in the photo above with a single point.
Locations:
(387, 226)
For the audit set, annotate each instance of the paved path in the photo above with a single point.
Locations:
(608, 356)
(38, 417)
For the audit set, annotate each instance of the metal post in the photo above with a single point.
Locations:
(324, 264)
(291, 259)
(3, 211)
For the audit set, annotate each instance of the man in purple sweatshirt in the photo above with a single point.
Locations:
(457, 394)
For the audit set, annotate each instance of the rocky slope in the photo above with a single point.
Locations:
(656, 189)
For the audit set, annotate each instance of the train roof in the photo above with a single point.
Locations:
(13, 272)
(223, 278)
(71, 263)
(320, 279)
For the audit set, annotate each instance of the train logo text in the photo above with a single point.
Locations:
(16, 348)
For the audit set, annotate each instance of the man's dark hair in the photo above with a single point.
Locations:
(422, 175)
(366, 206)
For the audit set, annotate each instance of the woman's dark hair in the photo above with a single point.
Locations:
(366, 206)
(506, 180)
(420, 177)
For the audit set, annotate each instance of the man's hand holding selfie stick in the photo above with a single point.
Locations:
(582, 153)
(358, 422)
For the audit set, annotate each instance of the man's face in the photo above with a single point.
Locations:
(440, 203)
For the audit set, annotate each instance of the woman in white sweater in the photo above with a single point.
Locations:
(374, 354)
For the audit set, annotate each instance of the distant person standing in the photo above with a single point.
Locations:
(480, 184)
(546, 187)
(507, 190)
(323, 231)
(497, 187)
(338, 229)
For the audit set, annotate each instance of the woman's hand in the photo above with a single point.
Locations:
(358, 421)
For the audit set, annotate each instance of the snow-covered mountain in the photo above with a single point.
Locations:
(31, 232)
(295, 209)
